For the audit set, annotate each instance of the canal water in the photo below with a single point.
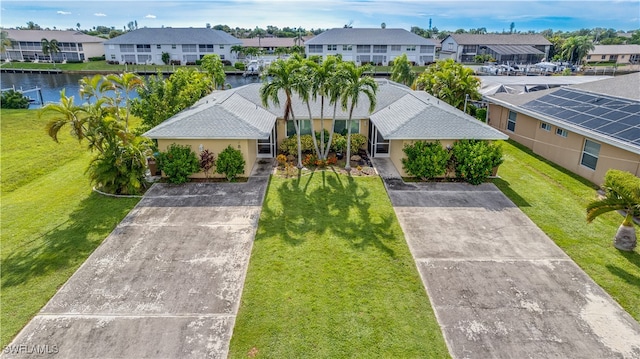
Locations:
(52, 84)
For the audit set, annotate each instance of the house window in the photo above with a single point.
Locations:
(221, 57)
(205, 47)
(588, 57)
(189, 48)
(397, 48)
(143, 48)
(469, 49)
(424, 49)
(603, 57)
(363, 59)
(590, 154)
(347, 47)
(305, 127)
(341, 127)
(79, 47)
(511, 123)
(113, 56)
(158, 47)
(332, 47)
(545, 126)
(411, 48)
(173, 46)
(613, 57)
(379, 49)
(561, 132)
(315, 49)
(221, 47)
(622, 57)
(379, 60)
(363, 49)
(127, 48)
(450, 46)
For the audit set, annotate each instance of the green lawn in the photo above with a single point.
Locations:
(331, 276)
(50, 219)
(555, 200)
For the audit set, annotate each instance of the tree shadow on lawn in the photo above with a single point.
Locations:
(505, 187)
(68, 244)
(306, 206)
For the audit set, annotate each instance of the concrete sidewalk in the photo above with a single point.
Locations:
(166, 283)
(499, 286)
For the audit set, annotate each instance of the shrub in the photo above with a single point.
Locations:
(97, 58)
(121, 168)
(178, 163)
(481, 114)
(207, 161)
(474, 160)
(309, 160)
(425, 159)
(239, 65)
(289, 145)
(230, 163)
(357, 141)
(14, 100)
(282, 160)
(226, 63)
(339, 143)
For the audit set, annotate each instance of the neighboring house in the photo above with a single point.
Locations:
(236, 117)
(619, 54)
(587, 128)
(512, 48)
(375, 46)
(184, 45)
(269, 44)
(73, 45)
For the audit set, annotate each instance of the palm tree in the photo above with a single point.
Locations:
(402, 71)
(577, 45)
(621, 193)
(323, 82)
(283, 78)
(355, 85)
(450, 82)
(125, 82)
(66, 113)
(50, 47)
(281, 51)
(5, 41)
(238, 49)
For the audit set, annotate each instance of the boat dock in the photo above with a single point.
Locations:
(39, 100)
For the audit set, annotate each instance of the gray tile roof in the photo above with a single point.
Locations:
(627, 86)
(515, 49)
(341, 36)
(170, 35)
(499, 39)
(400, 113)
(615, 50)
(61, 36)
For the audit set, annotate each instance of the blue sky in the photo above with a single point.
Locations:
(537, 15)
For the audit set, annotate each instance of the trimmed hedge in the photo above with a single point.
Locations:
(178, 163)
(426, 160)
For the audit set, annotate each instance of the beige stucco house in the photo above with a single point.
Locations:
(238, 118)
(587, 128)
(618, 54)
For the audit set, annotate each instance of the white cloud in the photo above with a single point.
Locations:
(60, 12)
(150, 16)
(99, 14)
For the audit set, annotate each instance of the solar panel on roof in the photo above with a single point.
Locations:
(612, 128)
(633, 120)
(615, 115)
(598, 111)
(632, 134)
(595, 123)
(581, 118)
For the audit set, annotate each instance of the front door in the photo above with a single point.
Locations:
(267, 146)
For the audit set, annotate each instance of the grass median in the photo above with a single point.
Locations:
(50, 219)
(331, 276)
(555, 200)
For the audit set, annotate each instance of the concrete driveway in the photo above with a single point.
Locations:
(166, 283)
(499, 286)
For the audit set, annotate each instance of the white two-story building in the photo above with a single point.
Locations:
(26, 45)
(184, 45)
(374, 46)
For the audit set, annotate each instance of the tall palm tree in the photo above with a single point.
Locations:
(5, 41)
(323, 80)
(578, 46)
(283, 79)
(125, 82)
(355, 85)
(621, 193)
(50, 47)
(402, 71)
